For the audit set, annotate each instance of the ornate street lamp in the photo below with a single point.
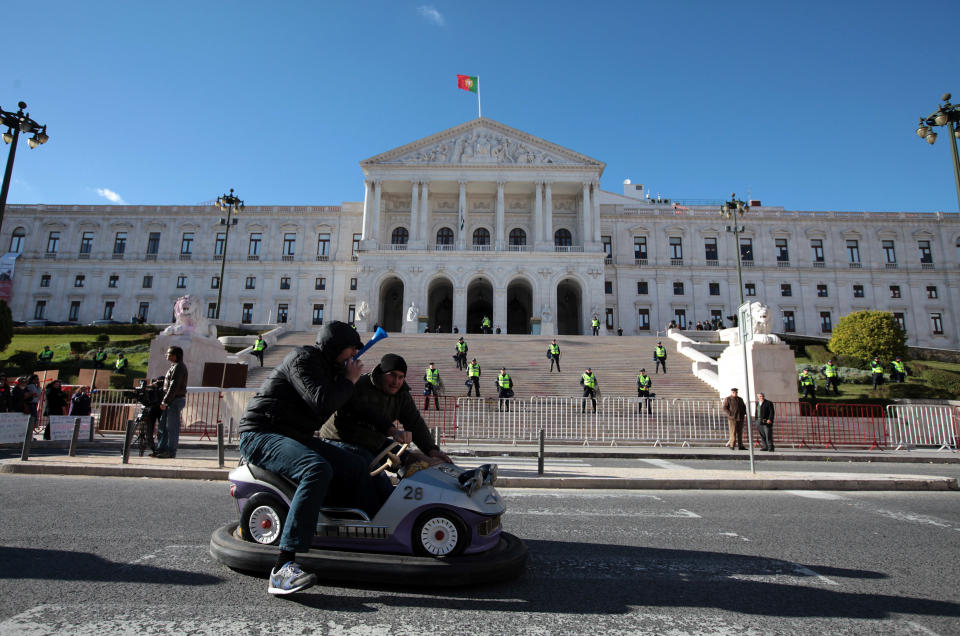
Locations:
(728, 210)
(232, 205)
(16, 123)
(947, 115)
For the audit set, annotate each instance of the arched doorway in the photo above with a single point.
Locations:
(391, 304)
(479, 303)
(440, 305)
(568, 308)
(519, 306)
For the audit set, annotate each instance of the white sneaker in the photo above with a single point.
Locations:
(289, 579)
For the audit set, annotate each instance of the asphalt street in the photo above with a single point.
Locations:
(95, 555)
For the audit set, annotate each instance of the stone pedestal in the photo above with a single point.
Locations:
(197, 350)
(771, 367)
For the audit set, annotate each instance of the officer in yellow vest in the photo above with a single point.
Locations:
(644, 384)
(504, 389)
(431, 384)
(899, 371)
(121, 364)
(807, 384)
(553, 352)
(832, 374)
(45, 356)
(660, 358)
(258, 348)
(473, 377)
(99, 359)
(461, 355)
(485, 325)
(876, 370)
(590, 386)
(595, 323)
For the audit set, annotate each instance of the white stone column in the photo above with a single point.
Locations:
(500, 310)
(596, 211)
(548, 214)
(460, 308)
(377, 202)
(425, 213)
(538, 214)
(461, 231)
(414, 209)
(587, 210)
(500, 220)
(367, 207)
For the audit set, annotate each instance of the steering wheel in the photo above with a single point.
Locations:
(389, 457)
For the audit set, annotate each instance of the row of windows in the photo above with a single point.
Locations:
(320, 283)
(481, 236)
(711, 252)
(750, 289)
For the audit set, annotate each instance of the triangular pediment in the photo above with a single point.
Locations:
(483, 142)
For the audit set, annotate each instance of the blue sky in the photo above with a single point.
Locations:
(807, 105)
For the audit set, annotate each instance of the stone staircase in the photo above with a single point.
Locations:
(614, 360)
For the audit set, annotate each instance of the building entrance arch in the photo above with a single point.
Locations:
(569, 303)
(479, 303)
(519, 306)
(440, 305)
(391, 304)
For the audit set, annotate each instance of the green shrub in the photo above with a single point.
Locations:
(80, 347)
(22, 360)
(943, 381)
(908, 390)
(818, 354)
(852, 362)
(865, 334)
(102, 337)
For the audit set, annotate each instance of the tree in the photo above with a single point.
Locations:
(865, 334)
(6, 325)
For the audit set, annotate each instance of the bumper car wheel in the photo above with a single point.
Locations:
(262, 519)
(439, 533)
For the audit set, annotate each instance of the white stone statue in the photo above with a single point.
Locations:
(363, 310)
(189, 319)
(545, 314)
(761, 324)
(413, 312)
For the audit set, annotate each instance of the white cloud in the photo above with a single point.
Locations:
(431, 14)
(111, 196)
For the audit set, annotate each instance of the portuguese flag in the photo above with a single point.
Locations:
(467, 83)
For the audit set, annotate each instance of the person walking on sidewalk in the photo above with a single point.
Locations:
(258, 348)
(553, 352)
(461, 355)
(174, 399)
(660, 358)
(504, 389)
(473, 377)
(765, 416)
(431, 384)
(590, 387)
(644, 384)
(735, 410)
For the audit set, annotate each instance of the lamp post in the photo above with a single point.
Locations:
(232, 205)
(728, 210)
(947, 115)
(16, 123)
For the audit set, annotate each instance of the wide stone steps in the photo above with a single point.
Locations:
(614, 360)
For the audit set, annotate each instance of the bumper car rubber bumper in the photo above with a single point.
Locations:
(503, 562)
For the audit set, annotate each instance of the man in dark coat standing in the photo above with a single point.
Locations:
(765, 416)
(736, 411)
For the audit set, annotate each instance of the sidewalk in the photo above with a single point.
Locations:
(519, 466)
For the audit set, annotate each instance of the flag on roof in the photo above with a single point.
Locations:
(467, 83)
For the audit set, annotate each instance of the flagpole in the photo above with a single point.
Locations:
(479, 113)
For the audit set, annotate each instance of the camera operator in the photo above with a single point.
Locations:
(149, 396)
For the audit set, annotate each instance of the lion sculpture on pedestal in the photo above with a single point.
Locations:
(189, 319)
(761, 324)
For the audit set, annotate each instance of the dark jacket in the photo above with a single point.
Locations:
(80, 404)
(365, 419)
(765, 411)
(55, 400)
(305, 389)
(175, 383)
(17, 402)
(734, 407)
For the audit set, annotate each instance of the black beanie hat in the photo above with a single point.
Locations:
(393, 362)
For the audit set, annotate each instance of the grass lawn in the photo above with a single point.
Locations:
(858, 392)
(21, 356)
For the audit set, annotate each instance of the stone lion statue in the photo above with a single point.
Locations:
(363, 310)
(760, 315)
(189, 319)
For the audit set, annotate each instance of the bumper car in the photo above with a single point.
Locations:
(440, 526)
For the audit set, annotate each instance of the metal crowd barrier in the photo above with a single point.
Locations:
(912, 425)
(113, 407)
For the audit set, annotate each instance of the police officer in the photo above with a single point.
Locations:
(899, 371)
(644, 384)
(431, 384)
(121, 364)
(595, 323)
(461, 354)
(876, 370)
(485, 325)
(590, 385)
(807, 384)
(258, 348)
(473, 377)
(660, 357)
(45, 356)
(833, 377)
(99, 359)
(504, 389)
(553, 352)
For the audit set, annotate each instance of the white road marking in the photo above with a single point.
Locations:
(733, 534)
(904, 516)
(667, 514)
(516, 493)
(815, 494)
(663, 463)
(808, 572)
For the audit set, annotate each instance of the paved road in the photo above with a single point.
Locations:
(95, 556)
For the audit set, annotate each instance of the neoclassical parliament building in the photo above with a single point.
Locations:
(486, 220)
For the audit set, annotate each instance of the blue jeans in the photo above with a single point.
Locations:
(168, 435)
(315, 466)
(381, 483)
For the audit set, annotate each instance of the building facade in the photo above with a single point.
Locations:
(483, 220)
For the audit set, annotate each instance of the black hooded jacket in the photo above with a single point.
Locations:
(305, 389)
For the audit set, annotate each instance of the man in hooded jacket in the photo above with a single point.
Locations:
(277, 433)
